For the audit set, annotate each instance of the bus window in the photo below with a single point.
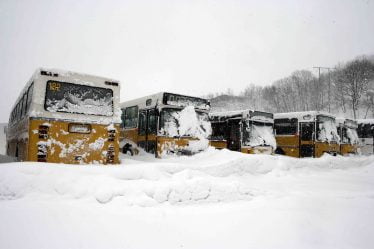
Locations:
(80, 99)
(131, 117)
(285, 126)
(307, 131)
(29, 96)
(152, 122)
(365, 130)
(218, 131)
(142, 123)
(24, 102)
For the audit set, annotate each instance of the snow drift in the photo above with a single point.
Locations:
(215, 199)
(207, 177)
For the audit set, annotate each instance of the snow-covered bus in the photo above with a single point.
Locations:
(366, 135)
(247, 131)
(165, 123)
(306, 134)
(66, 117)
(347, 131)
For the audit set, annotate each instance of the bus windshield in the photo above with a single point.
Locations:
(258, 134)
(81, 99)
(177, 123)
(352, 136)
(326, 129)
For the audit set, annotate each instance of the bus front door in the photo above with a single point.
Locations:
(147, 130)
(307, 139)
(233, 139)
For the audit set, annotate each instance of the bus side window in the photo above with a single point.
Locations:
(24, 105)
(130, 118)
(122, 117)
(307, 131)
(152, 122)
(285, 126)
(142, 123)
(29, 96)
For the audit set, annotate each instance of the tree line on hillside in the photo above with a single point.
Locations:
(347, 89)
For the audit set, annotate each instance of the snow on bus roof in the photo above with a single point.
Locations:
(243, 114)
(141, 102)
(300, 115)
(53, 72)
(67, 73)
(151, 101)
(227, 113)
(365, 121)
(347, 122)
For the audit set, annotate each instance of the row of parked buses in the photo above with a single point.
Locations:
(66, 117)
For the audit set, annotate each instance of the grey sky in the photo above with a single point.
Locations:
(189, 47)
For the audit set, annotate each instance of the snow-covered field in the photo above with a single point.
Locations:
(216, 199)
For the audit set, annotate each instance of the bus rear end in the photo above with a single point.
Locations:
(74, 120)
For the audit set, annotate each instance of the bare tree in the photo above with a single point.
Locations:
(353, 80)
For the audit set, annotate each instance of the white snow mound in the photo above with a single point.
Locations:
(211, 176)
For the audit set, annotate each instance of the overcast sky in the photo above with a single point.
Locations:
(188, 47)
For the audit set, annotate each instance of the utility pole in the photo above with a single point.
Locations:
(319, 85)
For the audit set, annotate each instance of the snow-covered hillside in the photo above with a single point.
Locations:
(215, 199)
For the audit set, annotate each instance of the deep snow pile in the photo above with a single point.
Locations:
(207, 177)
(215, 199)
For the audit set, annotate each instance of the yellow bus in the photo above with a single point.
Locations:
(66, 117)
(247, 131)
(366, 136)
(306, 134)
(165, 123)
(347, 130)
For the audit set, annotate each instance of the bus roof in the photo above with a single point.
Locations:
(53, 72)
(42, 75)
(248, 113)
(167, 99)
(301, 116)
(365, 121)
(347, 122)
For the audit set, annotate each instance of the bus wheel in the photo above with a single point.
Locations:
(279, 151)
(127, 148)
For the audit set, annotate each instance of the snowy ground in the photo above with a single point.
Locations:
(216, 199)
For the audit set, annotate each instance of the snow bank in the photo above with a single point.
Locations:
(215, 199)
(211, 176)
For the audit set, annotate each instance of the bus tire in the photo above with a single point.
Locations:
(279, 151)
(127, 148)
